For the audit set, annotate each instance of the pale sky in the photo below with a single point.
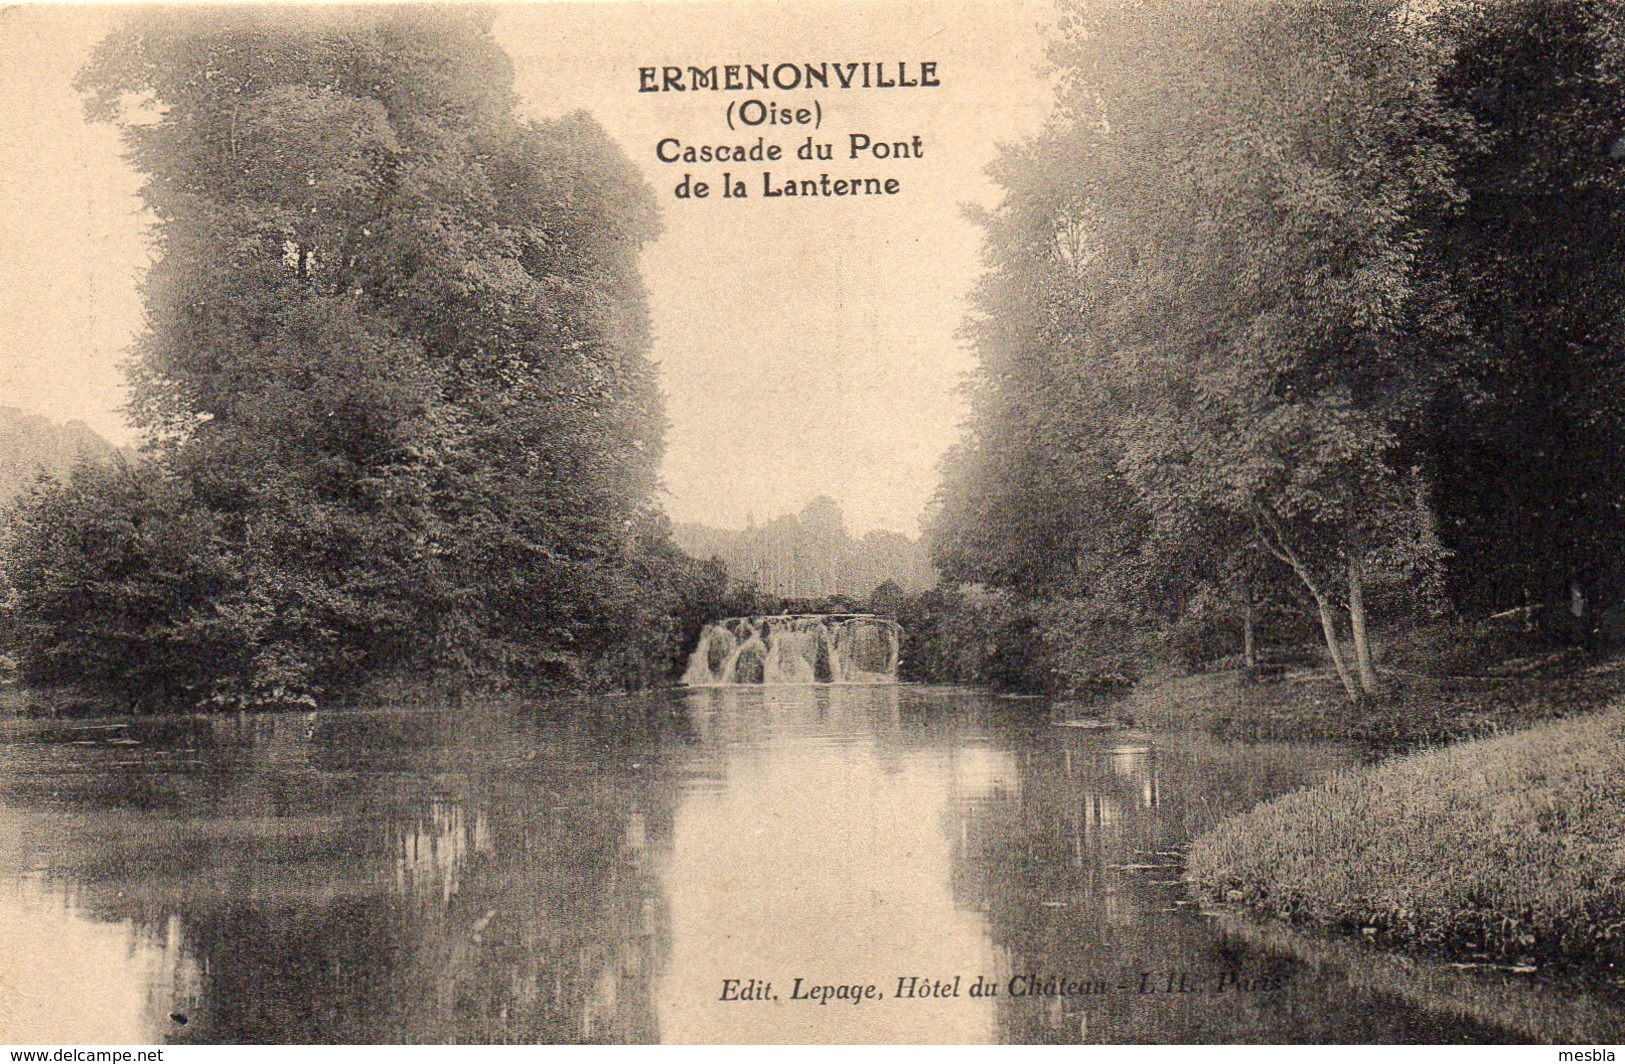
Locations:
(806, 346)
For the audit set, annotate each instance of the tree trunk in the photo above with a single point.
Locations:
(1249, 641)
(1369, 683)
(1328, 625)
(1273, 539)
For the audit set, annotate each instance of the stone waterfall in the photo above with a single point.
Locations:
(796, 648)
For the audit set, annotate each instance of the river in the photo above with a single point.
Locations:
(614, 872)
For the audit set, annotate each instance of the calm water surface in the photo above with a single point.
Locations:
(487, 875)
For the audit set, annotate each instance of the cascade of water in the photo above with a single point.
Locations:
(748, 664)
(868, 653)
(703, 664)
(796, 649)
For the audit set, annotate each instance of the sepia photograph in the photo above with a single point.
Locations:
(739, 522)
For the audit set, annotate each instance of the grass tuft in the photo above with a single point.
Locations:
(1510, 848)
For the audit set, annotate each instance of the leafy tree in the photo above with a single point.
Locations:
(123, 585)
(1279, 388)
(1207, 318)
(1528, 452)
(396, 360)
(886, 599)
(811, 555)
(1033, 497)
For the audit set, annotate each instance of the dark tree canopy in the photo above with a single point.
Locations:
(395, 372)
(1531, 451)
(1301, 288)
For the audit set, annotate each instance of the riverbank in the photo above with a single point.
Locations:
(1413, 711)
(69, 703)
(1540, 1008)
(1503, 850)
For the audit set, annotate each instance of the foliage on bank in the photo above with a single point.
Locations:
(991, 637)
(1418, 711)
(1506, 847)
(395, 384)
(1300, 308)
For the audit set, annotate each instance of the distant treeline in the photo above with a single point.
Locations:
(1301, 319)
(401, 419)
(811, 555)
(32, 446)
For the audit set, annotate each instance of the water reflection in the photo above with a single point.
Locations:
(814, 848)
(368, 877)
(500, 875)
(433, 851)
(69, 977)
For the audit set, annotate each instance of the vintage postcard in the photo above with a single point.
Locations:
(902, 521)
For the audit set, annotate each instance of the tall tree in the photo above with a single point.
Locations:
(1530, 453)
(397, 347)
(1227, 219)
(1033, 499)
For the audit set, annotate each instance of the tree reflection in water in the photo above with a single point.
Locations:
(1080, 871)
(355, 877)
(544, 875)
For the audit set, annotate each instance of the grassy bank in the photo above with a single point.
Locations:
(1510, 848)
(1413, 711)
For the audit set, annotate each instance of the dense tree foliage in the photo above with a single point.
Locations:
(395, 379)
(1530, 453)
(1321, 291)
